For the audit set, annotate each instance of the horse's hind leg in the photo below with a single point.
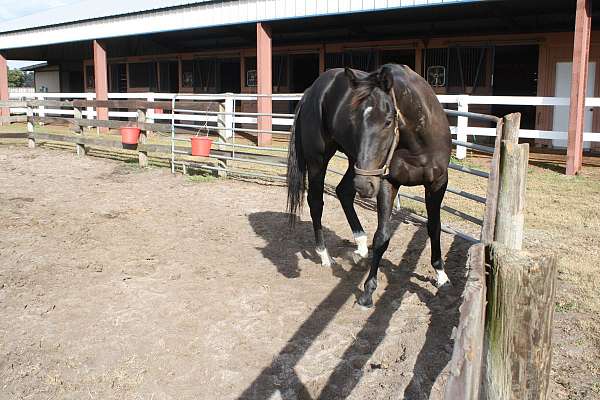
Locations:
(346, 193)
(316, 182)
(433, 201)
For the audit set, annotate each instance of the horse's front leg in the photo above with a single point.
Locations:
(385, 202)
(434, 195)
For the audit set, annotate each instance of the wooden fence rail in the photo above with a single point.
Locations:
(466, 363)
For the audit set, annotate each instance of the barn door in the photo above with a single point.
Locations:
(563, 89)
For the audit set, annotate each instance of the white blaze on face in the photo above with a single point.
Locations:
(367, 112)
(326, 260)
(361, 245)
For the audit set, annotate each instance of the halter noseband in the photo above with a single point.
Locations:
(385, 170)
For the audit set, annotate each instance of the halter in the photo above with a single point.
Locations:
(385, 170)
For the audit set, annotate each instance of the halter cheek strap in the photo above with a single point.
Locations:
(385, 170)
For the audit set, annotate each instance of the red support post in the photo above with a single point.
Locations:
(581, 54)
(4, 112)
(101, 80)
(264, 67)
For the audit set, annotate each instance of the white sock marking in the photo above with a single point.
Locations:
(326, 260)
(362, 248)
(442, 278)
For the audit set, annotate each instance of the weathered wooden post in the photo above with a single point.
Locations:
(520, 289)
(520, 311)
(30, 137)
(90, 110)
(512, 182)
(510, 216)
(222, 130)
(142, 152)
(77, 116)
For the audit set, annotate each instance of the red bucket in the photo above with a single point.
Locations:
(201, 146)
(130, 135)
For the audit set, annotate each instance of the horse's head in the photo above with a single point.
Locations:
(374, 118)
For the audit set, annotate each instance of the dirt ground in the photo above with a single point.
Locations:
(121, 283)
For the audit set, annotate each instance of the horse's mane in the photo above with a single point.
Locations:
(361, 93)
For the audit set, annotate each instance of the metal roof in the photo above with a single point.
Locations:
(34, 66)
(87, 10)
(101, 19)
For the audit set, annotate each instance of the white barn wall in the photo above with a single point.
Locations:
(47, 81)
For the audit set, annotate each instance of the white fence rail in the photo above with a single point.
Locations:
(21, 90)
(462, 131)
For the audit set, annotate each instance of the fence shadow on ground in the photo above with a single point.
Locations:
(282, 248)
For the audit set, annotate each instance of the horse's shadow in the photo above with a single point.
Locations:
(283, 244)
(282, 247)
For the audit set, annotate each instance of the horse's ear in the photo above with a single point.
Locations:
(352, 78)
(386, 79)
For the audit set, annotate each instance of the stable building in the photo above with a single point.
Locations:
(471, 47)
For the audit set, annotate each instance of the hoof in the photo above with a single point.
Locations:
(365, 301)
(327, 263)
(445, 286)
(442, 279)
(358, 257)
(326, 260)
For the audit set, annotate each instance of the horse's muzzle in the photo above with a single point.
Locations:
(367, 186)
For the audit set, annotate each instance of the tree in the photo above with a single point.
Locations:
(16, 78)
(29, 80)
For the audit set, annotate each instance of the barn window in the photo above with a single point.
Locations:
(334, 60)
(205, 76)
(90, 81)
(435, 62)
(360, 59)
(467, 67)
(280, 71)
(187, 73)
(143, 75)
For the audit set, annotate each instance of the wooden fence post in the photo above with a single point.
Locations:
(41, 109)
(510, 215)
(142, 152)
(511, 127)
(462, 125)
(30, 137)
(521, 290)
(90, 110)
(78, 115)
(222, 120)
(507, 129)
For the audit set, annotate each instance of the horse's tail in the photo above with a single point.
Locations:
(296, 171)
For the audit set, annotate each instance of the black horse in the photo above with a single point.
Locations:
(394, 131)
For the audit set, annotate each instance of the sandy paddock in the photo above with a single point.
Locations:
(121, 283)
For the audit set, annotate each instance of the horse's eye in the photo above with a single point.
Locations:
(389, 123)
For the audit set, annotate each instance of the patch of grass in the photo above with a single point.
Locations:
(202, 178)
(565, 306)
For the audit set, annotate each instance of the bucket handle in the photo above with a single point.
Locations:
(205, 126)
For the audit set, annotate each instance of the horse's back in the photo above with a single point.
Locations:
(322, 130)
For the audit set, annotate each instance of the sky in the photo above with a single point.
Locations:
(10, 9)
